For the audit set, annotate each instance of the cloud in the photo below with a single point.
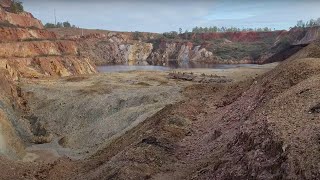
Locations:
(167, 15)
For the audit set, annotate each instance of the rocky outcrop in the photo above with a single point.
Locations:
(37, 67)
(190, 53)
(181, 53)
(24, 19)
(37, 48)
(35, 52)
(290, 43)
(114, 49)
(9, 34)
(137, 53)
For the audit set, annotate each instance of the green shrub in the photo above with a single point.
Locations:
(17, 7)
(65, 24)
(49, 25)
(137, 35)
(171, 35)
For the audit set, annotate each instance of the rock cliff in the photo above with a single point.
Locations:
(27, 50)
(105, 47)
(114, 50)
(35, 52)
(24, 19)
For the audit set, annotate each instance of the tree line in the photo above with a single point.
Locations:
(65, 24)
(310, 23)
(213, 29)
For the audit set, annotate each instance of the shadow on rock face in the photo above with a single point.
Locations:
(41, 135)
(315, 109)
(2, 142)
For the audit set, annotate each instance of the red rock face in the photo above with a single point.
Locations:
(9, 34)
(37, 48)
(55, 66)
(5, 3)
(23, 19)
(20, 20)
(28, 50)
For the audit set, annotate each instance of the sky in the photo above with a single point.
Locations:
(170, 15)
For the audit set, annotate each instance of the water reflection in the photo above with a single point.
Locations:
(123, 68)
(193, 65)
(171, 65)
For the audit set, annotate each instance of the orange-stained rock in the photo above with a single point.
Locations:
(37, 48)
(5, 66)
(20, 20)
(5, 3)
(28, 51)
(49, 66)
(9, 34)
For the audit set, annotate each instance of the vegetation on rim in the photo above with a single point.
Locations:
(16, 7)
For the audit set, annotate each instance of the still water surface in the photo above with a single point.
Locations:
(124, 68)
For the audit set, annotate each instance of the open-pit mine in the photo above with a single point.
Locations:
(77, 104)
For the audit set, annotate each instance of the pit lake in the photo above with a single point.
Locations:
(125, 68)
